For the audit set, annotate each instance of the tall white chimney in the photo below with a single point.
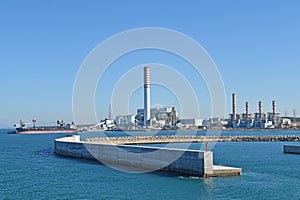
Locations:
(146, 95)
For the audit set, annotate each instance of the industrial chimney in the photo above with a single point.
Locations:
(274, 107)
(247, 108)
(233, 106)
(260, 108)
(146, 95)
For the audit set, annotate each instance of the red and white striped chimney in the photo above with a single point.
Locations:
(233, 106)
(146, 95)
(260, 107)
(274, 107)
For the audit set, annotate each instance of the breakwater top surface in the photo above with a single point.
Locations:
(187, 139)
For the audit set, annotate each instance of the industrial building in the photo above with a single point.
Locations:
(160, 117)
(191, 123)
(167, 117)
(126, 121)
(256, 120)
(147, 117)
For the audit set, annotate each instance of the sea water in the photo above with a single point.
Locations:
(30, 170)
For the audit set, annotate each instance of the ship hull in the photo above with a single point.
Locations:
(44, 131)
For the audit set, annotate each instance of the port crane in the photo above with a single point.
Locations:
(24, 124)
(106, 124)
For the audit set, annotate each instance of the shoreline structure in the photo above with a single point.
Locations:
(139, 158)
(129, 153)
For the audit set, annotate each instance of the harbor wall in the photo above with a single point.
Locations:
(139, 158)
(291, 149)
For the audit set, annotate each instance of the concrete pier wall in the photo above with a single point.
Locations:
(128, 157)
(291, 149)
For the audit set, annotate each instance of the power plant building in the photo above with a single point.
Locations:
(257, 120)
(160, 116)
(126, 121)
(149, 117)
(194, 122)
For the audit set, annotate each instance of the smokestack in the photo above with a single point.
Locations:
(260, 107)
(233, 106)
(274, 107)
(247, 108)
(146, 95)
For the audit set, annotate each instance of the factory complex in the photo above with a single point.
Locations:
(147, 117)
(167, 117)
(259, 119)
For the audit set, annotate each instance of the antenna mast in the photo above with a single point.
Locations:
(109, 112)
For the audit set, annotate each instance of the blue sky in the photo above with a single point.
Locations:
(255, 45)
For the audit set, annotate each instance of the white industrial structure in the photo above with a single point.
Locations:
(126, 121)
(159, 117)
(191, 123)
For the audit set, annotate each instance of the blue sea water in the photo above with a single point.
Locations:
(30, 170)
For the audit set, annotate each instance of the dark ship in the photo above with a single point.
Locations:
(61, 127)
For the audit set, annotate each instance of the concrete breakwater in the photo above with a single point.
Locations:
(188, 139)
(143, 158)
(291, 149)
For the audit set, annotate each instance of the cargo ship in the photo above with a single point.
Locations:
(61, 127)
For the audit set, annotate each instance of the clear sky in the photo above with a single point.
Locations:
(255, 44)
